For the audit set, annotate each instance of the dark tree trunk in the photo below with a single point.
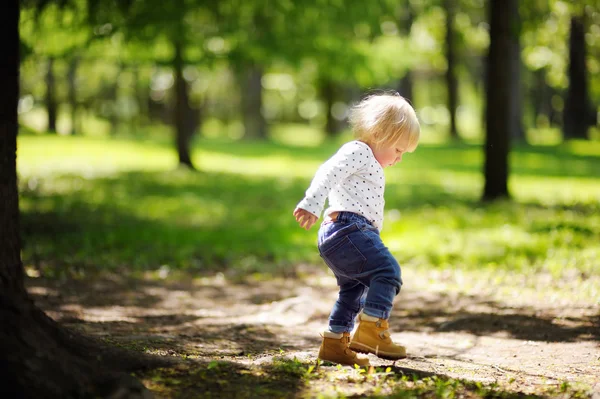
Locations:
(516, 105)
(497, 143)
(538, 94)
(113, 99)
(541, 95)
(255, 125)
(38, 358)
(405, 86)
(183, 132)
(72, 79)
(578, 114)
(51, 105)
(141, 95)
(451, 82)
(328, 93)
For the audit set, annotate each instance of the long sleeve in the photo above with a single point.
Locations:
(349, 159)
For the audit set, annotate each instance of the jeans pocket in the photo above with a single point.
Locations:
(344, 257)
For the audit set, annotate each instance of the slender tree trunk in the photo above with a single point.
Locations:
(183, 135)
(328, 95)
(72, 79)
(538, 95)
(451, 82)
(516, 105)
(113, 98)
(255, 125)
(406, 84)
(51, 105)
(141, 96)
(497, 143)
(578, 114)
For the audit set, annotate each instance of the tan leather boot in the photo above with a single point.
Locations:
(372, 336)
(334, 348)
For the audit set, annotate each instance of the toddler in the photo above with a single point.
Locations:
(385, 127)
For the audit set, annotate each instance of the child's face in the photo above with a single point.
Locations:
(391, 154)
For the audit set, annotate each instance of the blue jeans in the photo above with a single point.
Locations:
(368, 275)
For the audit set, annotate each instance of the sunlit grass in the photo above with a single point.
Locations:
(101, 203)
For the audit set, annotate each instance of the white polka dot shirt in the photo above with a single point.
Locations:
(352, 180)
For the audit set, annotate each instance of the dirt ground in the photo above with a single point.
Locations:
(522, 346)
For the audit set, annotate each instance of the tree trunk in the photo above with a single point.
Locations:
(141, 95)
(578, 115)
(51, 105)
(497, 143)
(405, 86)
(255, 126)
(38, 358)
(451, 82)
(113, 99)
(183, 133)
(328, 95)
(72, 78)
(516, 105)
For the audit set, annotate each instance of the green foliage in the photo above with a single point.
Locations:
(97, 204)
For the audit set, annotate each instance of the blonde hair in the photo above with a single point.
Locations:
(382, 119)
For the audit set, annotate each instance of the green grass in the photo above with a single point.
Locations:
(94, 203)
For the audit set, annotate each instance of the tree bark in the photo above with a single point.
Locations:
(497, 142)
(51, 105)
(72, 79)
(328, 95)
(183, 130)
(451, 82)
(516, 105)
(113, 100)
(406, 84)
(39, 359)
(578, 113)
(541, 96)
(255, 125)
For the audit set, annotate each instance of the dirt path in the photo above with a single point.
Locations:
(526, 348)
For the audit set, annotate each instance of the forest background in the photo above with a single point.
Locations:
(170, 141)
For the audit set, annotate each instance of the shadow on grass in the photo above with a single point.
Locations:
(225, 379)
(210, 222)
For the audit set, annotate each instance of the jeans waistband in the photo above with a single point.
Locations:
(350, 217)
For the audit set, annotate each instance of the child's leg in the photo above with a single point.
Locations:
(347, 306)
(335, 346)
(382, 274)
(385, 284)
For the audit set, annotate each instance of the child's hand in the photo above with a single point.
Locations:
(304, 218)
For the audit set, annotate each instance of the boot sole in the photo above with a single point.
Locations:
(357, 347)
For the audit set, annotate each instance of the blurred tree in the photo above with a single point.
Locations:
(53, 33)
(329, 92)
(578, 112)
(51, 103)
(405, 22)
(451, 82)
(72, 81)
(515, 64)
(497, 140)
(174, 34)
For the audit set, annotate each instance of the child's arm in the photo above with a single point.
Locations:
(349, 159)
